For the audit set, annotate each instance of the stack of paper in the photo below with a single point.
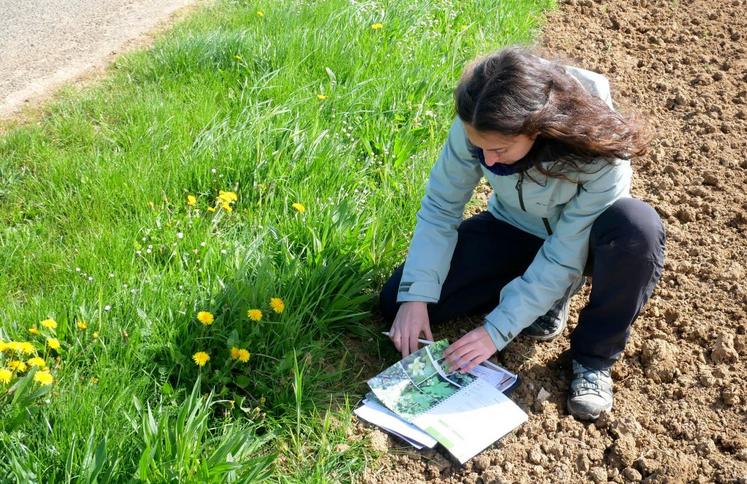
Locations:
(374, 412)
(417, 400)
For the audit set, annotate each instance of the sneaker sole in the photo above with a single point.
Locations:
(586, 415)
(547, 337)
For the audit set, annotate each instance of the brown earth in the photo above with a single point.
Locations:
(680, 410)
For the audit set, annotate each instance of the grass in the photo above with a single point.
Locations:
(280, 103)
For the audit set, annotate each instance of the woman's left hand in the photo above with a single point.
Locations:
(470, 350)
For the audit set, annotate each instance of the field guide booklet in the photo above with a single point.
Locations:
(463, 412)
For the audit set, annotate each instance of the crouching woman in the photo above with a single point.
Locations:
(557, 156)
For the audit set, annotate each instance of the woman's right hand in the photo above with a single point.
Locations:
(411, 321)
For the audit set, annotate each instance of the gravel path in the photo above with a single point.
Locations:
(45, 43)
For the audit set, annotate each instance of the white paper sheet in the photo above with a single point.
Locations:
(472, 419)
(495, 375)
(386, 419)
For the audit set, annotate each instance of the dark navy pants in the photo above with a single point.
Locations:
(626, 255)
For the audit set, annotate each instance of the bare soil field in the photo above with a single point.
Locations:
(680, 410)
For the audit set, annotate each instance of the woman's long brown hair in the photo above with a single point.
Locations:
(514, 92)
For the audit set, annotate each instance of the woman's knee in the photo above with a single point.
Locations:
(633, 226)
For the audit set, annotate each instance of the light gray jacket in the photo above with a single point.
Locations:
(557, 210)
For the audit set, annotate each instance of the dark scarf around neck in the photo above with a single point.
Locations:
(543, 149)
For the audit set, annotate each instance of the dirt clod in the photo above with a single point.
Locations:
(631, 475)
(378, 440)
(659, 358)
(481, 462)
(583, 464)
(536, 456)
(723, 350)
(685, 215)
(598, 474)
(730, 396)
(492, 476)
(623, 452)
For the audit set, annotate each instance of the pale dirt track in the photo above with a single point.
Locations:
(46, 43)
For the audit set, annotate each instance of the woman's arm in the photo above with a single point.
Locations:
(559, 263)
(452, 181)
(561, 259)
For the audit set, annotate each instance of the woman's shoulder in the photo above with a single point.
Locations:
(558, 160)
(457, 140)
(595, 83)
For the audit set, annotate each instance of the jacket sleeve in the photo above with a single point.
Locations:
(452, 181)
(561, 259)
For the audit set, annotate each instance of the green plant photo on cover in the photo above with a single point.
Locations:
(207, 227)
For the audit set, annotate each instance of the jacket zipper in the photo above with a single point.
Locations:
(547, 225)
(518, 189)
(519, 184)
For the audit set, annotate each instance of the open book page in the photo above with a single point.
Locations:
(374, 412)
(417, 383)
(471, 420)
(463, 412)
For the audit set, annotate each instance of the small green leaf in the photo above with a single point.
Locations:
(242, 381)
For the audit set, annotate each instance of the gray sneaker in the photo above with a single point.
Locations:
(550, 324)
(590, 393)
(553, 322)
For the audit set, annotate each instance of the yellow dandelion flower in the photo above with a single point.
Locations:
(299, 207)
(17, 365)
(191, 200)
(277, 304)
(254, 314)
(234, 353)
(5, 376)
(43, 377)
(205, 318)
(211, 209)
(26, 348)
(49, 324)
(260, 13)
(53, 343)
(201, 358)
(81, 325)
(321, 97)
(37, 362)
(95, 334)
(34, 330)
(377, 26)
(243, 355)
(3, 346)
(227, 197)
(226, 207)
